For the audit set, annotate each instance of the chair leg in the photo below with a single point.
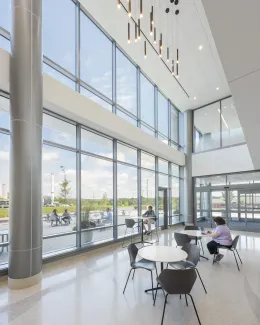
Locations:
(186, 301)
(201, 246)
(127, 280)
(165, 301)
(214, 256)
(239, 257)
(180, 296)
(152, 284)
(155, 294)
(201, 280)
(133, 275)
(236, 260)
(195, 308)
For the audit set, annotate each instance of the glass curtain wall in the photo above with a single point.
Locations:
(86, 59)
(217, 125)
(235, 197)
(90, 184)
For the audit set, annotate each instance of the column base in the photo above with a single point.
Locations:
(17, 284)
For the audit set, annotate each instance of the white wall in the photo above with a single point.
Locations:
(63, 100)
(222, 161)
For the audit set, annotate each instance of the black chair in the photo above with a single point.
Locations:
(130, 225)
(194, 238)
(142, 264)
(192, 260)
(181, 239)
(177, 282)
(233, 249)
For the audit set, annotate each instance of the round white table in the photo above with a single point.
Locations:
(162, 254)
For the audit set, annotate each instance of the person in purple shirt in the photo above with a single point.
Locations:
(221, 237)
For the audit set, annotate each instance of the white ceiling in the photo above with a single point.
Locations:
(235, 25)
(200, 71)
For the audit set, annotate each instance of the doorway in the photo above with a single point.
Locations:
(163, 210)
(239, 205)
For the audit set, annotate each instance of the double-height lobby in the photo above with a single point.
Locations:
(129, 162)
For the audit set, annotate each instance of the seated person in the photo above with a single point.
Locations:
(149, 213)
(221, 237)
(108, 218)
(66, 216)
(55, 217)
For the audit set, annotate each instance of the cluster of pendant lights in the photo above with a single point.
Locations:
(152, 32)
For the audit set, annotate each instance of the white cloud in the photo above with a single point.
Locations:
(49, 156)
(4, 156)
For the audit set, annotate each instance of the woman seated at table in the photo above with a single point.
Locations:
(221, 237)
(149, 213)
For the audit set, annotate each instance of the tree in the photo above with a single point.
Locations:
(64, 186)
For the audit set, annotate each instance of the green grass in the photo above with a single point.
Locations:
(60, 210)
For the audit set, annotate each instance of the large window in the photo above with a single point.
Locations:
(96, 57)
(5, 14)
(4, 113)
(232, 132)
(126, 83)
(217, 125)
(174, 125)
(147, 100)
(96, 198)
(59, 190)
(59, 41)
(163, 116)
(96, 99)
(92, 142)
(59, 76)
(126, 194)
(147, 189)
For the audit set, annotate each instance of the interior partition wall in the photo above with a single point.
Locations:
(234, 197)
(92, 176)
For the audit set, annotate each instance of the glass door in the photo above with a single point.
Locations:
(163, 207)
(237, 208)
(203, 209)
(218, 203)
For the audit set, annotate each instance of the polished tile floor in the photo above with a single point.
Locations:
(87, 289)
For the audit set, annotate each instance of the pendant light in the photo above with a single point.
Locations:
(141, 8)
(152, 15)
(118, 4)
(129, 8)
(177, 56)
(168, 54)
(151, 25)
(139, 29)
(154, 36)
(172, 67)
(129, 34)
(145, 52)
(136, 36)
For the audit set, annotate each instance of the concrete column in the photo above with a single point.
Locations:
(25, 229)
(188, 183)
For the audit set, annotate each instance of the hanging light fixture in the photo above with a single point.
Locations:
(118, 4)
(154, 35)
(172, 67)
(139, 29)
(177, 70)
(152, 16)
(129, 34)
(141, 8)
(151, 25)
(161, 41)
(168, 54)
(160, 48)
(177, 56)
(129, 8)
(145, 53)
(136, 37)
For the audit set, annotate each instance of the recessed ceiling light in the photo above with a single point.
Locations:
(217, 88)
(200, 47)
(194, 97)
